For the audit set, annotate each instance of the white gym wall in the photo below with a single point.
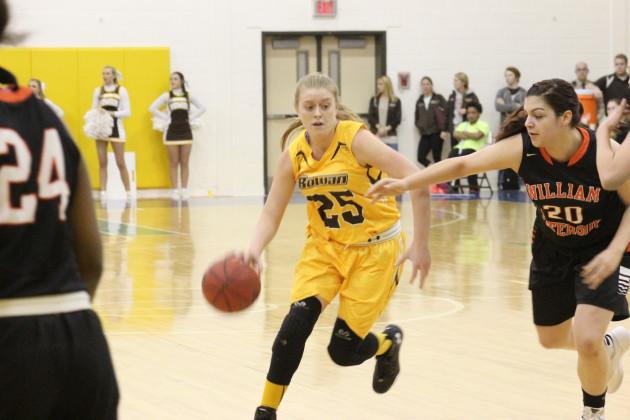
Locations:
(217, 45)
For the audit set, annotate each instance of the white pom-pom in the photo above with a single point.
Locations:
(98, 124)
(160, 124)
(196, 124)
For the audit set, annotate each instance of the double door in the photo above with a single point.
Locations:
(353, 61)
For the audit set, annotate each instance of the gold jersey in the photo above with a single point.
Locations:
(335, 188)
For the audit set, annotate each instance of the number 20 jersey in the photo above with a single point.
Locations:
(335, 188)
(38, 173)
(572, 208)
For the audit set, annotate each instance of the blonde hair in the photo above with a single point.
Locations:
(117, 74)
(389, 89)
(463, 77)
(317, 81)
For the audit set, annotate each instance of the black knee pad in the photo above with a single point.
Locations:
(348, 349)
(288, 346)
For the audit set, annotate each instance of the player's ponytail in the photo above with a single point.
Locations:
(291, 132)
(317, 81)
(557, 93)
(513, 124)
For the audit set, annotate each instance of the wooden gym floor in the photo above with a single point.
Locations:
(470, 349)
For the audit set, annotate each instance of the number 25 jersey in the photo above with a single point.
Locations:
(335, 188)
(572, 208)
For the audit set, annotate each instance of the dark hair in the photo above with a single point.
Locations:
(514, 70)
(4, 17)
(623, 57)
(615, 100)
(475, 105)
(557, 93)
(428, 79)
(181, 77)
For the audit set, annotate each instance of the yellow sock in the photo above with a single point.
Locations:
(272, 395)
(384, 343)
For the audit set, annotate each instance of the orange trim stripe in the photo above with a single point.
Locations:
(579, 154)
(581, 151)
(546, 156)
(20, 95)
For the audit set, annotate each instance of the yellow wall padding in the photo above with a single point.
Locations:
(70, 76)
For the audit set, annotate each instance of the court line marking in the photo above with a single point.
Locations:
(137, 226)
(460, 217)
(457, 307)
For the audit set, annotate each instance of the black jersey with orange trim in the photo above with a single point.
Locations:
(38, 174)
(572, 208)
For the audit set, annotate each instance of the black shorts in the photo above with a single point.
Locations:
(557, 288)
(56, 367)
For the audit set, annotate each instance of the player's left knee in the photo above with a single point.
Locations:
(346, 348)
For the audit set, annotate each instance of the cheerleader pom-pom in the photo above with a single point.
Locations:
(160, 124)
(98, 124)
(196, 124)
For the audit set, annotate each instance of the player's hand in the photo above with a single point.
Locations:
(445, 135)
(500, 101)
(600, 267)
(385, 187)
(614, 118)
(250, 258)
(420, 259)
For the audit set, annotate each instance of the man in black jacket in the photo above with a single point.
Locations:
(615, 86)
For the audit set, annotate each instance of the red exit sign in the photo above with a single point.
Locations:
(325, 8)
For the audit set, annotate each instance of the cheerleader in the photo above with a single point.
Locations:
(37, 87)
(178, 135)
(113, 99)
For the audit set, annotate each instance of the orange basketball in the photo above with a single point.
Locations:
(230, 285)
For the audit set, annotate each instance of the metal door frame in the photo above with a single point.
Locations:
(380, 38)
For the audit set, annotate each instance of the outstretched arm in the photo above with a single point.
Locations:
(504, 154)
(371, 151)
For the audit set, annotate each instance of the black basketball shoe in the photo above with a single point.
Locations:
(388, 364)
(265, 413)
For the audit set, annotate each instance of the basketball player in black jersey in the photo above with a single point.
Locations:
(580, 270)
(54, 359)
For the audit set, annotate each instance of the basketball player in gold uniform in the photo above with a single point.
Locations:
(354, 248)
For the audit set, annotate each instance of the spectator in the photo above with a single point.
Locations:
(621, 131)
(458, 101)
(385, 112)
(508, 100)
(511, 97)
(615, 86)
(472, 135)
(586, 89)
(430, 119)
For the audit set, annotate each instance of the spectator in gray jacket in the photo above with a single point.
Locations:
(511, 97)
